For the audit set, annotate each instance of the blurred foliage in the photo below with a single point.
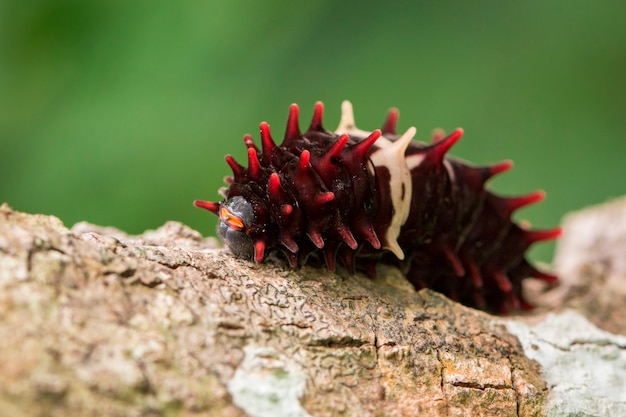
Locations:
(120, 112)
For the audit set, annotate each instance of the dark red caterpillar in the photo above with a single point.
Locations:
(362, 197)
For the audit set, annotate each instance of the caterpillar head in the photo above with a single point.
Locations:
(236, 215)
(299, 196)
(245, 224)
(257, 213)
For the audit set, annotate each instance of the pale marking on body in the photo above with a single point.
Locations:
(450, 170)
(391, 155)
(413, 161)
(347, 125)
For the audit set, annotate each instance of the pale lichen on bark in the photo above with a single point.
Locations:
(95, 322)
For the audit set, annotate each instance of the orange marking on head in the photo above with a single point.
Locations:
(234, 222)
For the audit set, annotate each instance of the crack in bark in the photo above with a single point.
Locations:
(230, 326)
(478, 386)
(298, 325)
(442, 384)
(344, 342)
(514, 385)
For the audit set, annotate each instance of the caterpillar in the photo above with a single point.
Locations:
(358, 198)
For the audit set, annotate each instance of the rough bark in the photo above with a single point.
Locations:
(576, 335)
(591, 258)
(95, 322)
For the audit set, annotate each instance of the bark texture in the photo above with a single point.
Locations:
(591, 259)
(95, 322)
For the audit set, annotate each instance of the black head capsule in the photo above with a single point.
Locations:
(236, 214)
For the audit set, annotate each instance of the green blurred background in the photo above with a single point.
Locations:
(120, 112)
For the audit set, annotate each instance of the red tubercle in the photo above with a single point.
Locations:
(439, 149)
(254, 166)
(324, 198)
(347, 237)
(366, 231)
(337, 147)
(500, 168)
(528, 270)
(534, 236)
(305, 159)
(361, 149)
(545, 276)
(259, 251)
(454, 261)
(316, 238)
(273, 187)
(208, 205)
(511, 204)
(326, 165)
(289, 243)
(267, 142)
(234, 166)
(286, 209)
(503, 282)
(438, 134)
(293, 129)
(474, 273)
(389, 128)
(247, 139)
(316, 121)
